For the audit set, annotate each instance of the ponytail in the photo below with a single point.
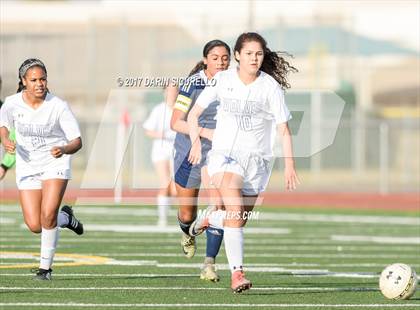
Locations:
(20, 86)
(198, 67)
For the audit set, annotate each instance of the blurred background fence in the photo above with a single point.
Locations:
(88, 45)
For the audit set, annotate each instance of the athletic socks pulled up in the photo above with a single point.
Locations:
(234, 245)
(49, 239)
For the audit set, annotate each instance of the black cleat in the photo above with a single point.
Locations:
(74, 224)
(43, 274)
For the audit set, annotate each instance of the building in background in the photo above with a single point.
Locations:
(87, 46)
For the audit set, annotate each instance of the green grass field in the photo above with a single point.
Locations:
(297, 259)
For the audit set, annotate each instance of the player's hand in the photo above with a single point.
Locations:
(291, 179)
(57, 151)
(9, 146)
(195, 153)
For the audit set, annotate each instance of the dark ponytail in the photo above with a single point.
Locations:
(273, 64)
(25, 66)
(20, 86)
(207, 48)
(198, 67)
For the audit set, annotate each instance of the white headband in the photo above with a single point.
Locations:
(35, 62)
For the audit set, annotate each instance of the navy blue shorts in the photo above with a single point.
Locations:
(187, 175)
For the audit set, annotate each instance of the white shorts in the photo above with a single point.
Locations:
(254, 169)
(162, 151)
(35, 181)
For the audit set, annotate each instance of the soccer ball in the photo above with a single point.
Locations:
(398, 281)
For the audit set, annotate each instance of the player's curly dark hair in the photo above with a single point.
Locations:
(207, 48)
(273, 64)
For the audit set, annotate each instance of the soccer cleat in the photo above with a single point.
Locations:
(201, 223)
(74, 224)
(239, 282)
(188, 245)
(208, 273)
(199, 226)
(43, 274)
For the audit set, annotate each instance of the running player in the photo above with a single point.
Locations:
(251, 109)
(46, 135)
(158, 127)
(216, 57)
(8, 160)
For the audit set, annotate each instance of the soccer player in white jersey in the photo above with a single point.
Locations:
(158, 127)
(188, 178)
(251, 111)
(47, 133)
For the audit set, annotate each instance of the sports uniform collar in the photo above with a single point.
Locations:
(24, 104)
(236, 73)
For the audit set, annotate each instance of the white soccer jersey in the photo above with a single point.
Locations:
(37, 131)
(247, 114)
(160, 120)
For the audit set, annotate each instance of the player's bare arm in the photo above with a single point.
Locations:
(72, 147)
(291, 179)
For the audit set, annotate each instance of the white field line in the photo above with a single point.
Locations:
(240, 305)
(249, 248)
(287, 255)
(266, 216)
(249, 267)
(254, 255)
(148, 288)
(110, 255)
(2, 246)
(109, 275)
(177, 266)
(150, 240)
(153, 229)
(335, 240)
(299, 274)
(377, 239)
(331, 218)
(259, 244)
(22, 247)
(6, 220)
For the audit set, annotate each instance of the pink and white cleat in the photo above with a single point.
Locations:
(239, 282)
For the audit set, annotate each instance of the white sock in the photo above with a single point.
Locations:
(62, 219)
(216, 218)
(163, 203)
(49, 239)
(234, 246)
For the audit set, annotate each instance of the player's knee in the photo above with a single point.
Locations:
(34, 227)
(187, 215)
(49, 220)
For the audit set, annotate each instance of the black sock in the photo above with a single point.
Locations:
(185, 227)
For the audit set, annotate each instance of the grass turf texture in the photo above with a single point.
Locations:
(322, 259)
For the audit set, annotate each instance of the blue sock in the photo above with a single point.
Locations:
(214, 241)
